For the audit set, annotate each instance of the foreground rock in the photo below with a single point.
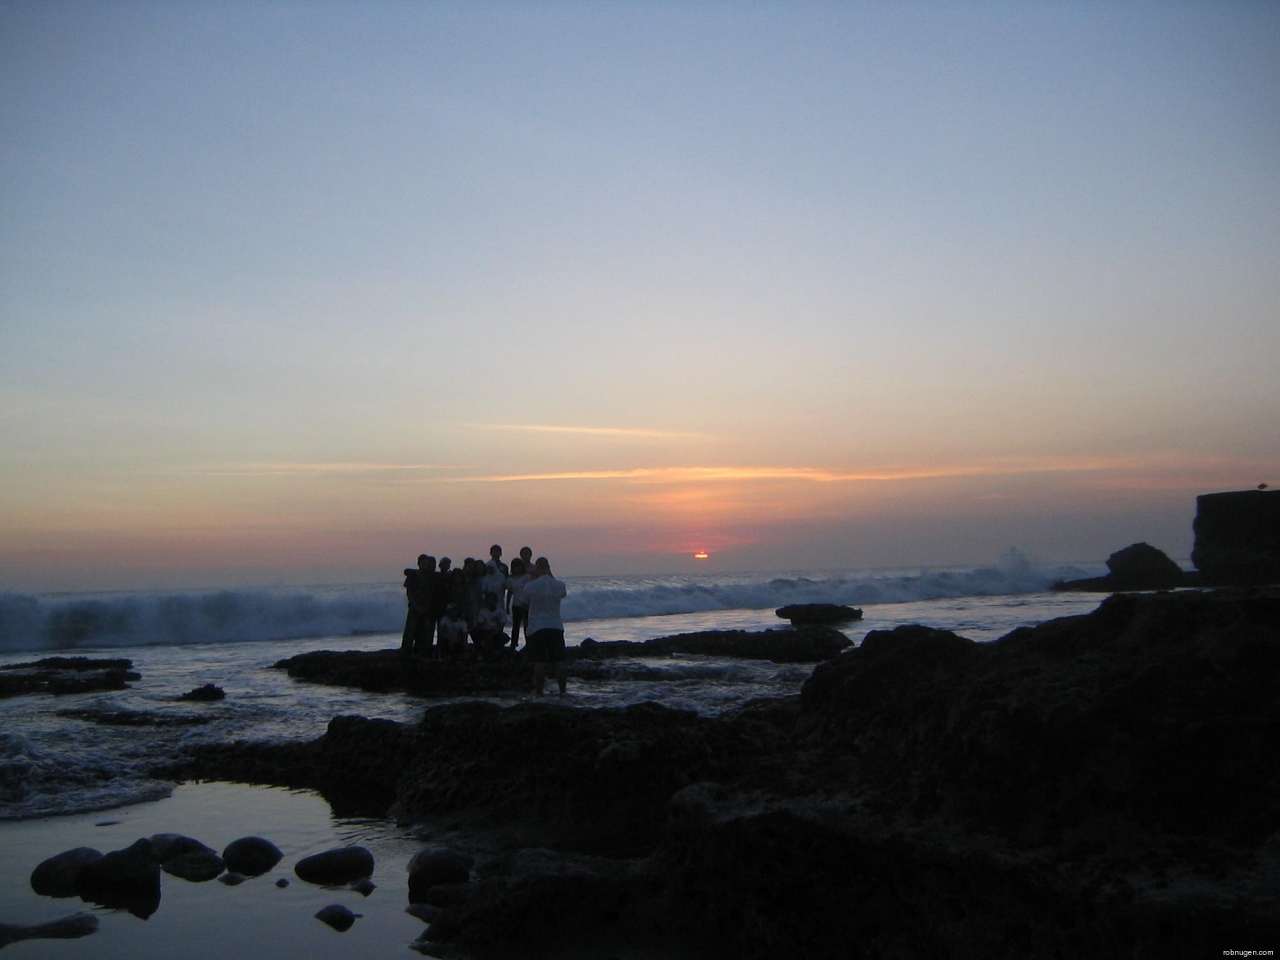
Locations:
(65, 675)
(1102, 785)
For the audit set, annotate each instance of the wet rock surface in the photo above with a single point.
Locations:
(387, 671)
(1100, 785)
(65, 675)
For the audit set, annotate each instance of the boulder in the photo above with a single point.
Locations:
(818, 613)
(124, 879)
(340, 865)
(59, 876)
(1237, 537)
(251, 856)
(1138, 566)
(806, 644)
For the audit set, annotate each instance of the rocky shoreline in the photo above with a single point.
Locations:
(1101, 785)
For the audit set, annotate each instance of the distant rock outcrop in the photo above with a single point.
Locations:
(1138, 566)
(801, 614)
(65, 675)
(1238, 537)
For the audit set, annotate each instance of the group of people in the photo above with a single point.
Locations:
(449, 605)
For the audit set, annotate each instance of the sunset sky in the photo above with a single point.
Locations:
(293, 291)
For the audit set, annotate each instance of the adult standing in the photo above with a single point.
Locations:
(544, 632)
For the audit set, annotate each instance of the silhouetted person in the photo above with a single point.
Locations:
(545, 630)
(453, 632)
(417, 589)
(487, 633)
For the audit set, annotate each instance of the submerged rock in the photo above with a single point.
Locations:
(68, 928)
(209, 693)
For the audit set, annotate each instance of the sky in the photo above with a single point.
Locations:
(291, 292)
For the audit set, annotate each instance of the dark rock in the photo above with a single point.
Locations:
(65, 675)
(598, 780)
(166, 846)
(818, 613)
(808, 644)
(59, 876)
(128, 879)
(282, 882)
(251, 856)
(1141, 566)
(341, 865)
(196, 866)
(1099, 785)
(1138, 566)
(1237, 537)
(338, 917)
(205, 694)
(68, 928)
(431, 867)
(232, 879)
(364, 887)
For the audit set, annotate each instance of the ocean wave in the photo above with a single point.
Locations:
(68, 622)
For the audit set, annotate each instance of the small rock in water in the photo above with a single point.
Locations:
(282, 882)
(364, 887)
(232, 879)
(341, 865)
(251, 856)
(338, 917)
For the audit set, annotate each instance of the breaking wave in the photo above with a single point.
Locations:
(67, 622)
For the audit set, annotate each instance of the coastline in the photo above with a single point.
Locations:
(818, 787)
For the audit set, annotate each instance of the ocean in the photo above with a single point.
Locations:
(69, 779)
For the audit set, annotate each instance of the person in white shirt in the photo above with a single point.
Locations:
(544, 632)
(515, 603)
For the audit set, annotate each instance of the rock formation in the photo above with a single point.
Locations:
(1238, 537)
(1138, 566)
(1101, 785)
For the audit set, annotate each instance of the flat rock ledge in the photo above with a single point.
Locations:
(1102, 785)
(66, 675)
(387, 671)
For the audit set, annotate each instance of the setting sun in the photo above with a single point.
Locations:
(701, 555)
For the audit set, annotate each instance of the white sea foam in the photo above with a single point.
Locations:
(69, 621)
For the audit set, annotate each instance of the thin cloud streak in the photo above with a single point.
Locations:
(812, 474)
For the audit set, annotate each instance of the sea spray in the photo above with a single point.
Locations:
(146, 618)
